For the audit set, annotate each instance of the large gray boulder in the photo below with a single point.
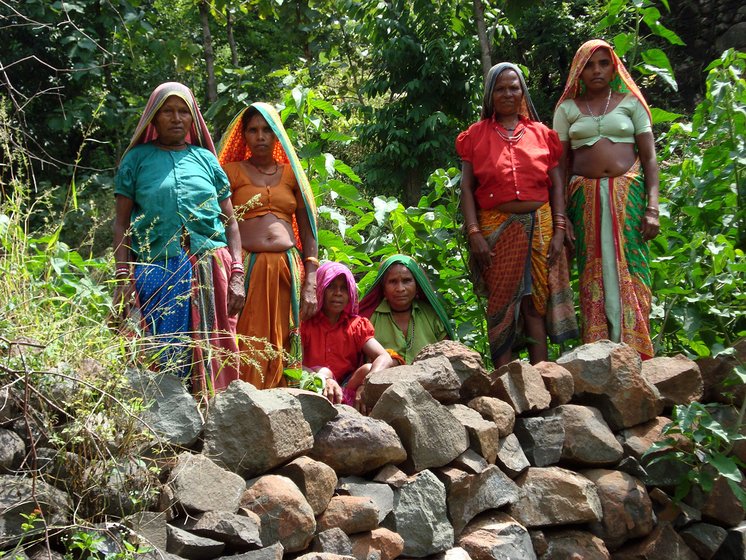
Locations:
(608, 376)
(197, 484)
(420, 516)
(353, 444)
(588, 439)
(19, 497)
(432, 436)
(252, 431)
(170, 411)
(471, 494)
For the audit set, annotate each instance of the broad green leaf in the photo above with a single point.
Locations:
(661, 116)
(657, 62)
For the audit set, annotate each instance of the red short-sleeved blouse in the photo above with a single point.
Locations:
(338, 347)
(504, 170)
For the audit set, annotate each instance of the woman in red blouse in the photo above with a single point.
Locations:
(338, 344)
(514, 212)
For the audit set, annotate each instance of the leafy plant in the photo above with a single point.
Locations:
(699, 266)
(706, 453)
(304, 379)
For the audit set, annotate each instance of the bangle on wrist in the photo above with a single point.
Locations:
(122, 272)
(472, 229)
(652, 209)
(313, 260)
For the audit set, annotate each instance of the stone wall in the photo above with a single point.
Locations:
(452, 461)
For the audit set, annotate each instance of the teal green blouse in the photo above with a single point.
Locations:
(425, 327)
(173, 192)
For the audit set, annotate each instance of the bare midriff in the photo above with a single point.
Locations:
(603, 159)
(266, 234)
(520, 206)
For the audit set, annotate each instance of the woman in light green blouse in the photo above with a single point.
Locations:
(404, 309)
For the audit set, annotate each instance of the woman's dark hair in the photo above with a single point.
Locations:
(249, 114)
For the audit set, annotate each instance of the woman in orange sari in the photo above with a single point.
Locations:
(277, 222)
(605, 127)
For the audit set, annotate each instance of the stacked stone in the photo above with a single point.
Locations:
(535, 462)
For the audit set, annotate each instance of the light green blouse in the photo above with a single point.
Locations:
(621, 124)
(425, 327)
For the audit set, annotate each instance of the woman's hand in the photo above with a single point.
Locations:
(236, 293)
(122, 299)
(556, 246)
(480, 250)
(308, 304)
(332, 390)
(650, 224)
(569, 236)
(359, 404)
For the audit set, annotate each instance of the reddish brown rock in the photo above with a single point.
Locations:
(284, 512)
(547, 493)
(495, 535)
(677, 379)
(574, 545)
(483, 434)
(627, 509)
(520, 385)
(315, 479)
(378, 543)
(558, 381)
(662, 544)
(500, 412)
(352, 514)
(638, 439)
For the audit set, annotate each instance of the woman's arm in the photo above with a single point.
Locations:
(559, 218)
(377, 356)
(308, 304)
(236, 289)
(646, 151)
(122, 256)
(478, 245)
(563, 169)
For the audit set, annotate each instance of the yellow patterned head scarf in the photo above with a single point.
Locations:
(233, 148)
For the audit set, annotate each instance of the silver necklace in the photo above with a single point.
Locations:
(511, 137)
(601, 116)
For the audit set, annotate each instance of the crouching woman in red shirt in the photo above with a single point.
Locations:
(513, 204)
(337, 342)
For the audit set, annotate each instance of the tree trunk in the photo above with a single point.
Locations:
(204, 16)
(484, 42)
(413, 188)
(229, 32)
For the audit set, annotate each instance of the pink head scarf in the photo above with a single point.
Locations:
(325, 274)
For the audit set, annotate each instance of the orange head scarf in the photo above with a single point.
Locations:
(621, 82)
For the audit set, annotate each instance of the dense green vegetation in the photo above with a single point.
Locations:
(373, 94)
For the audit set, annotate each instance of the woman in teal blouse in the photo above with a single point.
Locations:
(404, 309)
(176, 242)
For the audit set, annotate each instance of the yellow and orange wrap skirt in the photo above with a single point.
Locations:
(519, 244)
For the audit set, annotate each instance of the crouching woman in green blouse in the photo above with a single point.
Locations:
(404, 309)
